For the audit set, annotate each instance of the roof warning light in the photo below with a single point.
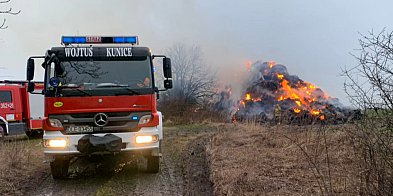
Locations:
(66, 40)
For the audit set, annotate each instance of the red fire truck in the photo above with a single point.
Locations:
(17, 115)
(100, 98)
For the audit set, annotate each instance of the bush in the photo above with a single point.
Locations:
(369, 86)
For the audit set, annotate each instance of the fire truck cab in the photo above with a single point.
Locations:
(16, 115)
(100, 98)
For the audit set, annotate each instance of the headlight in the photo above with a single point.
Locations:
(141, 139)
(55, 123)
(55, 143)
(144, 119)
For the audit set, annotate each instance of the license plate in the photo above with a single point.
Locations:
(79, 129)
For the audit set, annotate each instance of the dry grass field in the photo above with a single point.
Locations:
(247, 159)
(21, 165)
(212, 159)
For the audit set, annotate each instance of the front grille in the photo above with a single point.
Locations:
(91, 115)
(117, 121)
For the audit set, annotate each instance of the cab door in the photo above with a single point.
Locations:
(11, 109)
(7, 110)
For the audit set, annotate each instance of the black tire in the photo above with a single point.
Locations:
(34, 134)
(59, 168)
(2, 132)
(153, 164)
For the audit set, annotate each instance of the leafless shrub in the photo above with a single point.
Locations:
(370, 87)
(16, 153)
(6, 11)
(322, 147)
(250, 159)
(14, 161)
(193, 83)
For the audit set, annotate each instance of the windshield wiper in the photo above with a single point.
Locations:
(124, 86)
(105, 85)
(76, 88)
(131, 90)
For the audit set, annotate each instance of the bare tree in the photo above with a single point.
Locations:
(370, 83)
(193, 79)
(6, 11)
(370, 87)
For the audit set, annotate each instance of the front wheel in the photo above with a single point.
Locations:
(2, 132)
(153, 164)
(34, 134)
(59, 168)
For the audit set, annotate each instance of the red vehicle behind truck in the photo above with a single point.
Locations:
(100, 98)
(16, 115)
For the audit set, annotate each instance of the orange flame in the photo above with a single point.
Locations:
(256, 99)
(315, 112)
(248, 97)
(271, 64)
(248, 65)
(301, 93)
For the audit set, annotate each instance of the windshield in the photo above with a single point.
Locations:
(103, 77)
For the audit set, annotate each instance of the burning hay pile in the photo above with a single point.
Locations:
(273, 95)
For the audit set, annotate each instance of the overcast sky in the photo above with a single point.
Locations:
(312, 38)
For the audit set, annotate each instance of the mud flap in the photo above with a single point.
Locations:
(108, 143)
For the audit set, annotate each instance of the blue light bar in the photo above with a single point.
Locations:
(73, 40)
(99, 40)
(131, 40)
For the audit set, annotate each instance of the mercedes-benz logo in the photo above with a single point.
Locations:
(101, 119)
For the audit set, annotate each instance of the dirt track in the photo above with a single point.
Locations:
(126, 179)
(127, 176)
(202, 159)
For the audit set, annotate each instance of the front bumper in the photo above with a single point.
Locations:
(128, 140)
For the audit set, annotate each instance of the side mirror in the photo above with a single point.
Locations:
(30, 69)
(168, 84)
(167, 67)
(59, 69)
(30, 87)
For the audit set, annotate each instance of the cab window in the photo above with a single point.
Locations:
(5, 96)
